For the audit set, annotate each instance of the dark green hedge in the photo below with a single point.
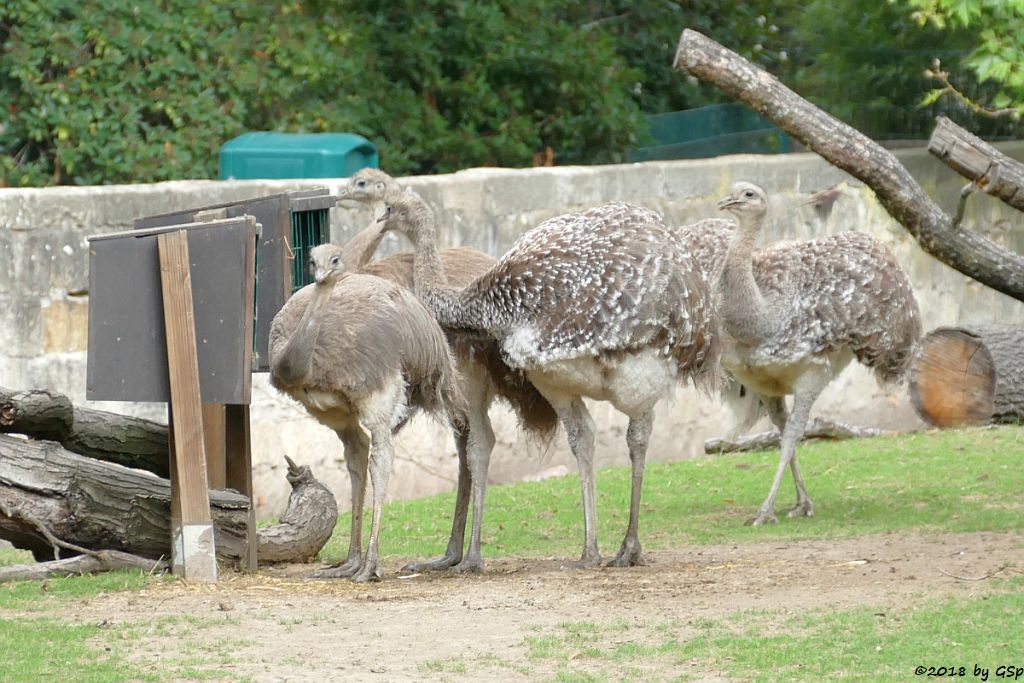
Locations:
(108, 91)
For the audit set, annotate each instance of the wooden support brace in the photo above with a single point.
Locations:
(192, 542)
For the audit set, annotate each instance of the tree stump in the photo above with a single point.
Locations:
(969, 375)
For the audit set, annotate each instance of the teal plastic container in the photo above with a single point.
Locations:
(296, 155)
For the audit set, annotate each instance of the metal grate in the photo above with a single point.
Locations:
(309, 228)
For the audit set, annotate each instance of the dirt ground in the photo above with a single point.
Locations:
(280, 626)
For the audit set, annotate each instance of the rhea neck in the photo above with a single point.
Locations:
(295, 363)
(452, 308)
(360, 249)
(747, 315)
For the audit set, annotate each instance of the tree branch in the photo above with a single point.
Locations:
(973, 158)
(970, 253)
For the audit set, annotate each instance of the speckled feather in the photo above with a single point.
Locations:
(607, 280)
(842, 291)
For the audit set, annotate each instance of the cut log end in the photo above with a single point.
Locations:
(953, 379)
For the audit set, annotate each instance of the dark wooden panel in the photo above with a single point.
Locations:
(273, 276)
(127, 358)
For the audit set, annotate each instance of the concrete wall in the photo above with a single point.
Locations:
(44, 292)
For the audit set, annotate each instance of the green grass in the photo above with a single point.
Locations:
(945, 481)
(50, 649)
(958, 480)
(767, 645)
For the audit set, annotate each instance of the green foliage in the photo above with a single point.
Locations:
(998, 50)
(124, 91)
(461, 83)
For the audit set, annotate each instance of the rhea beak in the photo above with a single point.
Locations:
(726, 202)
(386, 215)
(320, 275)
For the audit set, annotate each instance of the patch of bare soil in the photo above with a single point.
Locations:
(278, 625)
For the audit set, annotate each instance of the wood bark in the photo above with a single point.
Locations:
(103, 561)
(969, 375)
(129, 441)
(307, 523)
(970, 156)
(763, 441)
(99, 505)
(970, 253)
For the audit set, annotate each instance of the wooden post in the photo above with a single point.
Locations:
(214, 442)
(238, 459)
(192, 542)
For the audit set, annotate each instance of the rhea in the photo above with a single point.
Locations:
(601, 304)
(483, 375)
(796, 313)
(360, 353)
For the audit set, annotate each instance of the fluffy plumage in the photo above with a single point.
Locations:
(359, 353)
(483, 373)
(603, 304)
(795, 313)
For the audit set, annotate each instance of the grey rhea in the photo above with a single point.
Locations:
(601, 304)
(483, 375)
(794, 314)
(359, 353)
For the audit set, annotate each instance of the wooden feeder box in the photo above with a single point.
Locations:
(292, 224)
(171, 320)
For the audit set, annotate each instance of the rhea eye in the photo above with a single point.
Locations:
(749, 194)
(360, 182)
(335, 261)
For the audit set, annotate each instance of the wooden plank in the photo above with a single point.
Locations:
(195, 544)
(239, 470)
(214, 442)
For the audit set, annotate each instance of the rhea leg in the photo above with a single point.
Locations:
(357, 450)
(481, 443)
(793, 429)
(637, 436)
(579, 427)
(456, 541)
(381, 456)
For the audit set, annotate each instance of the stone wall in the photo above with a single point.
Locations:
(44, 292)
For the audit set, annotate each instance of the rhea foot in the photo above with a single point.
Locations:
(342, 570)
(804, 508)
(589, 559)
(368, 572)
(763, 517)
(629, 555)
(470, 565)
(445, 562)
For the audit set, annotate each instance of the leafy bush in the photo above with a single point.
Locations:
(121, 91)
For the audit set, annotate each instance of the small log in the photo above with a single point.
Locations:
(307, 523)
(763, 441)
(99, 505)
(102, 561)
(129, 441)
(969, 375)
(970, 156)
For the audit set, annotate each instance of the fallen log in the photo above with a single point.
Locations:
(763, 441)
(970, 156)
(967, 251)
(969, 375)
(307, 523)
(94, 563)
(99, 505)
(129, 441)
